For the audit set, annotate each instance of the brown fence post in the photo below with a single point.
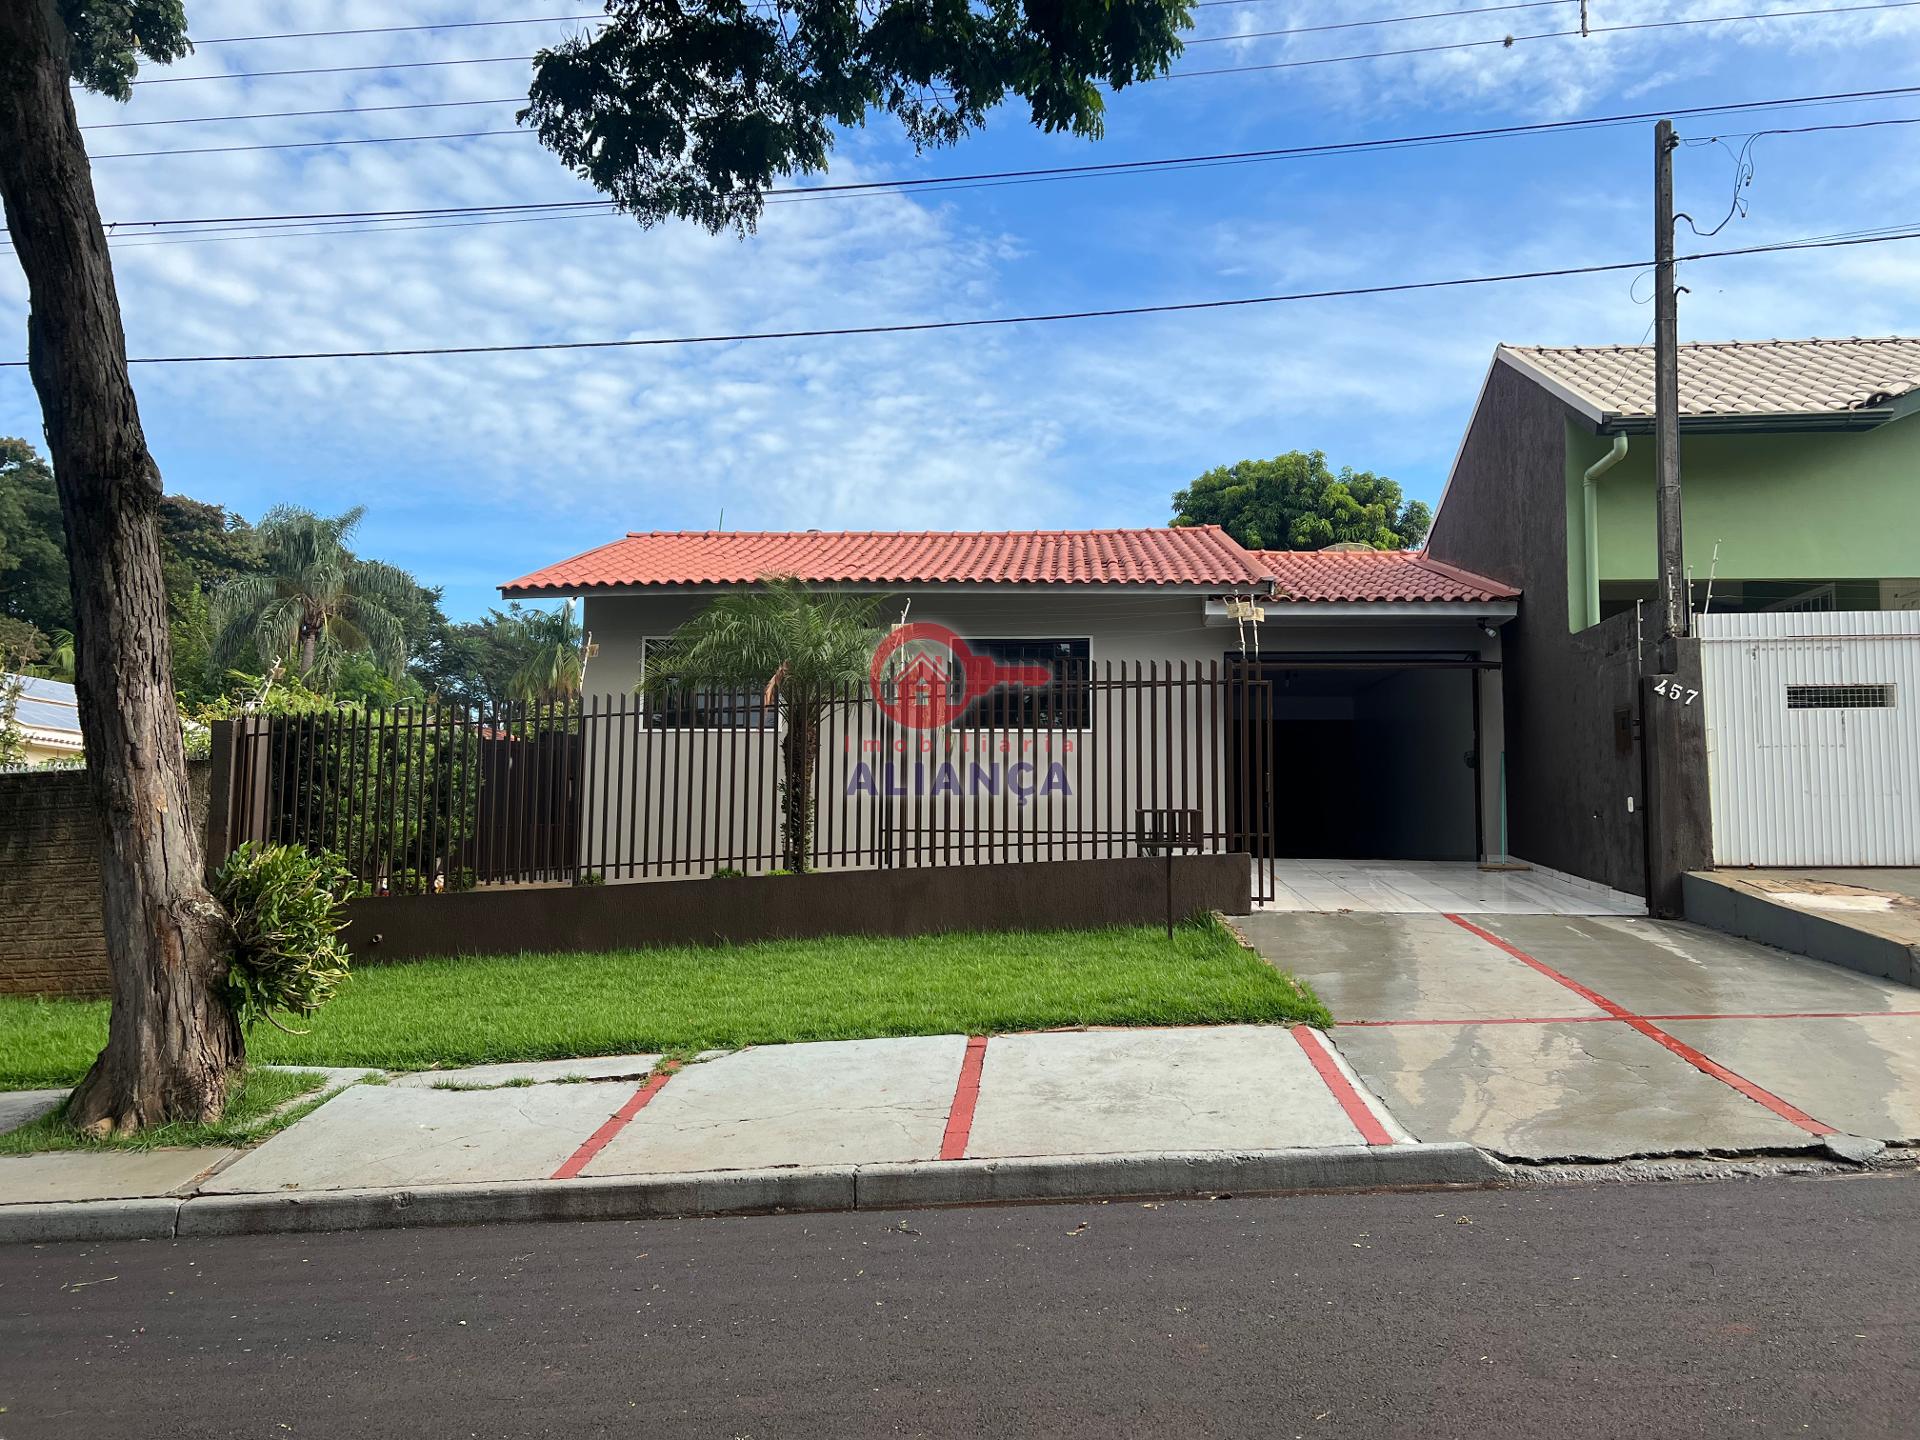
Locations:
(223, 753)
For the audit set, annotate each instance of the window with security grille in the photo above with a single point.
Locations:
(1839, 697)
(1065, 703)
(703, 709)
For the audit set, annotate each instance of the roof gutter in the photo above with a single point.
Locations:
(1590, 522)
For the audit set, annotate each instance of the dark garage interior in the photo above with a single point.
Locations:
(1372, 760)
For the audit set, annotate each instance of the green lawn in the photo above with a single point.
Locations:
(250, 1116)
(538, 1007)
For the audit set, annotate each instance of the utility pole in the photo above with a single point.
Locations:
(1674, 600)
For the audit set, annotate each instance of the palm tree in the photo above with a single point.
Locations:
(315, 602)
(805, 647)
(556, 663)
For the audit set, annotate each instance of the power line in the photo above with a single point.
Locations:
(399, 29)
(521, 99)
(303, 114)
(1505, 41)
(600, 17)
(985, 322)
(1092, 168)
(306, 144)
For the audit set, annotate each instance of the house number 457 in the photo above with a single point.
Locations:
(1673, 690)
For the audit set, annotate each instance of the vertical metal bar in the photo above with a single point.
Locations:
(1213, 822)
(1176, 753)
(431, 750)
(676, 831)
(1267, 790)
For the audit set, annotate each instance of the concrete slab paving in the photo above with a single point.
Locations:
(375, 1135)
(1406, 967)
(102, 1174)
(1667, 967)
(1586, 1090)
(837, 1102)
(539, 1072)
(1862, 1076)
(17, 1107)
(1237, 1087)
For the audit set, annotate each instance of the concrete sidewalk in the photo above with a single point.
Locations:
(939, 1119)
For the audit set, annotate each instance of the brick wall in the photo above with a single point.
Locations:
(50, 934)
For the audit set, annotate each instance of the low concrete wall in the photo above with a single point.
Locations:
(1065, 894)
(1722, 901)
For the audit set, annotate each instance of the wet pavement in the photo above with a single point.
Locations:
(1542, 1037)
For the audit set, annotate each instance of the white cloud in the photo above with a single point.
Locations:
(479, 467)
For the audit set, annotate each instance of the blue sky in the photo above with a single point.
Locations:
(476, 469)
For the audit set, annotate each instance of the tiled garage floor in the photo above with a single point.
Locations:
(1438, 887)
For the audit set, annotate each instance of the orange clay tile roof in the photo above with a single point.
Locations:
(1406, 576)
(1199, 555)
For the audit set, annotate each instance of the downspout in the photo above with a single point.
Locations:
(1590, 515)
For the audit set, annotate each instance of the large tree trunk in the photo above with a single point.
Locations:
(172, 1044)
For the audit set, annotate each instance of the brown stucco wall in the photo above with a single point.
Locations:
(50, 931)
(1062, 894)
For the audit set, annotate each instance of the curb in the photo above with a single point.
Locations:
(758, 1192)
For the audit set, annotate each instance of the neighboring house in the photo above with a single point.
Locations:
(1800, 477)
(1383, 668)
(48, 720)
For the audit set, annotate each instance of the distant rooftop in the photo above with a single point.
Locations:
(1856, 383)
(48, 713)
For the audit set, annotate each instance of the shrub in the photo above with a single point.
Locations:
(284, 950)
(727, 872)
(590, 877)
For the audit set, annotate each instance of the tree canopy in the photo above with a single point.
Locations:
(1295, 502)
(693, 108)
(314, 603)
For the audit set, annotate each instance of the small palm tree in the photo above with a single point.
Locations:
(314, 603)
(802, 646)
(556, 663)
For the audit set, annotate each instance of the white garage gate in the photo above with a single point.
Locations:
(1813, 736)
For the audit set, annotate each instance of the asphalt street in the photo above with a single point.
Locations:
(1748, 1308)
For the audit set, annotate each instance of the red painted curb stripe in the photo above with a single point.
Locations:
(600, 1138)
(1620, 1019)
(966, 1095)
(1335, 1079)
(1701, 1062)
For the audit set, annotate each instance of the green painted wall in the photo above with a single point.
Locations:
(1819, 505)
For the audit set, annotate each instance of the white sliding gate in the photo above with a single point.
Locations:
(1813, 736)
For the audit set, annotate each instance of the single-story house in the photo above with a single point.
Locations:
(1379, 673)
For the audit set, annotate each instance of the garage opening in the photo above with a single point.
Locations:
(1372, 757)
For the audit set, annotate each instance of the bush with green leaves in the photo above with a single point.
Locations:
(283, 914)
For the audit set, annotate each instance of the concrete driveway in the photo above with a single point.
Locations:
(1548, 1037)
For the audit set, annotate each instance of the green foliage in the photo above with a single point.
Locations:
(285, 952)
(810, 644)
(111, 37)
(1294, 502)
(783, 639)
(590, 879)
(556, 656)
(315, 603)
(520, 653)
(33, 546)
(693, 108)
(727, 872)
